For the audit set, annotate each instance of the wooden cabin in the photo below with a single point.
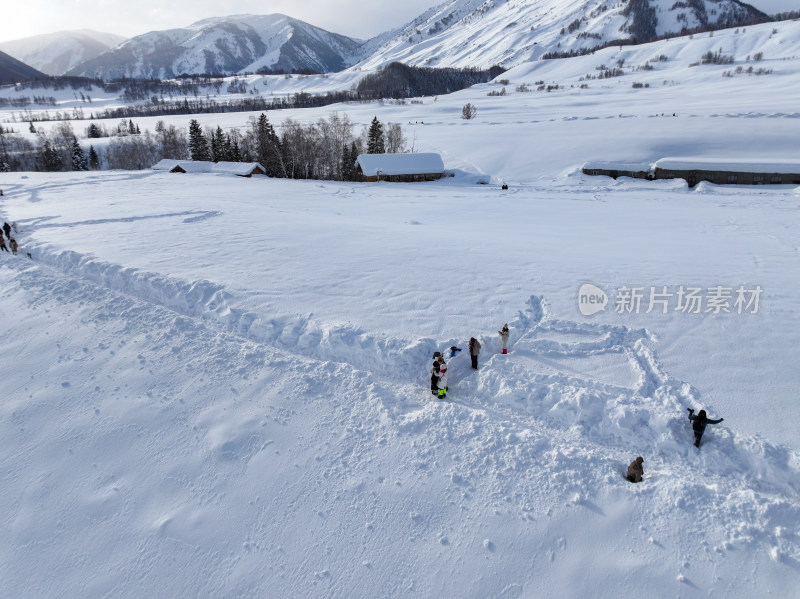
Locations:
(240, 169)
(400, 167)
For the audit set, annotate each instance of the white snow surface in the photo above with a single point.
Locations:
(218, 387)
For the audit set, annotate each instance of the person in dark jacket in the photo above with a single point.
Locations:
(699, 423)
(435, 374)
(635, 470)
(3, 244)
(442, 382)
(7, 229)
(474, 350)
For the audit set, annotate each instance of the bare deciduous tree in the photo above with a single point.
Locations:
(469, 111)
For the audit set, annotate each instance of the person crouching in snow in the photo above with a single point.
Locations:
(474, 350)
(454, 350)
(699, 424)
(442, 382)
(504, 338)
(635, 470)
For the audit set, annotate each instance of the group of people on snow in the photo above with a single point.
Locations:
(699, 422)
(439, 366)
(12, 243)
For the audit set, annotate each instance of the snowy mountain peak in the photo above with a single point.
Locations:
(57, 53)
(469, 33)
(226, 45)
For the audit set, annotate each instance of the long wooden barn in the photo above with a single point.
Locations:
(720, 171)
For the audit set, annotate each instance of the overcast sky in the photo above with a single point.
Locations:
(354, 18)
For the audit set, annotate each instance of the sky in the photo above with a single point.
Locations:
(347, 17)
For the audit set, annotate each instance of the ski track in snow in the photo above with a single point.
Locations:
(518, 419)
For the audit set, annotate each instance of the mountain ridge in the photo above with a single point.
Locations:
(56, 53)
(225, 45)
(456, 33)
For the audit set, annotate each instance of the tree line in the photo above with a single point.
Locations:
(326, 149)
(156, 98)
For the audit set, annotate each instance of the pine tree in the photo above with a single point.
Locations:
(268, 148)
(218, 152)
(375, 141)
(79, 162)
(236, 153)
(198, 146)
(349, 157)
(50, 159)
(94, 159)
(93, 131)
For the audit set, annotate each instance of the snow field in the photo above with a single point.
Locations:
(218, 387)
(186, 421)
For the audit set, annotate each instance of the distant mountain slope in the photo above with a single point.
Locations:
(57, 53)
(12, 70)
(481, 33)
(226, 45)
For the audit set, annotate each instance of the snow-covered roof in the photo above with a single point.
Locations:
(400, 164)
(165, 164)
(202, 166)
(237, 168)
(617, 166)
(739, 165)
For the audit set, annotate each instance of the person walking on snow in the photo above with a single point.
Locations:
(699, 424)
(504, 338)
(442, 383)
(13, 244)
(435, 374)
(3, 244)
(474, 350)
(7, 229)
(635, 470)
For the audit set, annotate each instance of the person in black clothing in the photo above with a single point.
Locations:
(699, 424)
(7, 229)
(435, 374)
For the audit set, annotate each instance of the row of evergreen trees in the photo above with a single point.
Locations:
(326, 149)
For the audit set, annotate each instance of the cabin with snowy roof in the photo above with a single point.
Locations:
(720, 171)
(400, 167)
(728, 171)
(241, 169)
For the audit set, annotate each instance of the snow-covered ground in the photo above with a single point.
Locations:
(217, 387)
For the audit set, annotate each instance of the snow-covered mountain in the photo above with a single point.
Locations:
(225, 45)
(13, 70)
(481, 33)
(57, 53)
